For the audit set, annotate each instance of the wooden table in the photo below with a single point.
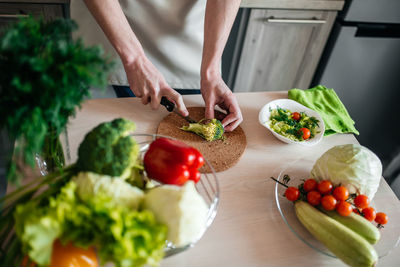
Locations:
(248, 229)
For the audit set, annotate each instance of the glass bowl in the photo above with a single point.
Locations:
(207, 187)
(298, 172)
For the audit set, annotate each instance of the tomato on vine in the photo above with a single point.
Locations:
(325, 187)
(314, 198)
(328, 202)
(310, 185)
(341, 193)
(369, 213)
(292, 193)
(381, 218)
(361, 201)
(344, 208)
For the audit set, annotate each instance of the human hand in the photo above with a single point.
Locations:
(147, 83)
(216, 92)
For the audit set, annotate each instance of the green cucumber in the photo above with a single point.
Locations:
(358, 224)
(346, 244)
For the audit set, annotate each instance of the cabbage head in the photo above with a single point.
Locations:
(181, 208)
(91, 185)
(351, 165)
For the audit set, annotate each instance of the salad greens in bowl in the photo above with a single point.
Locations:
(292, 123)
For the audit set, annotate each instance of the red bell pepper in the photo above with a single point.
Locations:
(172, 162)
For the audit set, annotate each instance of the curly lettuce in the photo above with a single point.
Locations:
(124, 236)
(90, 185)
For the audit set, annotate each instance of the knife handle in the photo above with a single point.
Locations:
(167, 104)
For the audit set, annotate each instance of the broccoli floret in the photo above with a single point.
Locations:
(211, 131)
(109, 150)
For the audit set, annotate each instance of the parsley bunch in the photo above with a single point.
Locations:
(45, 75)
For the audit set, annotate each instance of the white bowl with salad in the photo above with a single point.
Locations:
(292, 122)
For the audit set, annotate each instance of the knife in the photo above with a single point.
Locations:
(171, 107)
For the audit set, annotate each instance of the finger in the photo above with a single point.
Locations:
(234, 117)
(135, 90)
(136, 93)
(155, 99)
(209, 112)
(145, 99)
(178, 99)
(228, 119)
(233, 124)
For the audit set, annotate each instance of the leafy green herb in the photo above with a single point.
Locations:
(44, 76)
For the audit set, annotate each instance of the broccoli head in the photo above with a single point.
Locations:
(109, 150)
(211, 131)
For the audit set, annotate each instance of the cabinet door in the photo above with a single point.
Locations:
(281, 49)
(10, 12)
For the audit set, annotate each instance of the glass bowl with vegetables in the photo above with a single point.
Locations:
(292, 123)
(134, 198)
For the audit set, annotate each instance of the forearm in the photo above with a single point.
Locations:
(112, 20)
(219, 18)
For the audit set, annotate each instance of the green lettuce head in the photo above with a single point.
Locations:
(353, 166)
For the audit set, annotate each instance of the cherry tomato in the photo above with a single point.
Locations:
(361, 201)
(306, 133)
(296, 116)
(340, 193)
(369, 213)
(344, 208)
(381, 218)
(71, 256)
(309, 185)
(292, 193)
(325, 187)
(328, 202)
(314, 198)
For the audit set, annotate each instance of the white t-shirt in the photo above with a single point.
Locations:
(170, 31)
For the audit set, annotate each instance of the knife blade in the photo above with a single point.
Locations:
(170, 106)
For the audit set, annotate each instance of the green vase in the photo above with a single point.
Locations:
(51, 157)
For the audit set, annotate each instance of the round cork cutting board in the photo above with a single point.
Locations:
(221, 154)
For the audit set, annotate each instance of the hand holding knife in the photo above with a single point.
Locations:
(170, 106)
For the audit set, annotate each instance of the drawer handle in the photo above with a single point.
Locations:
(296, 21)
(13, 16)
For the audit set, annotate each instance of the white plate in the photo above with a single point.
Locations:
(293, 106)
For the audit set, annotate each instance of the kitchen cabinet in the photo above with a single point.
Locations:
(11, 11)
(281, 49)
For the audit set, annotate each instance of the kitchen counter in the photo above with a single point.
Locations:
(248, 229)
